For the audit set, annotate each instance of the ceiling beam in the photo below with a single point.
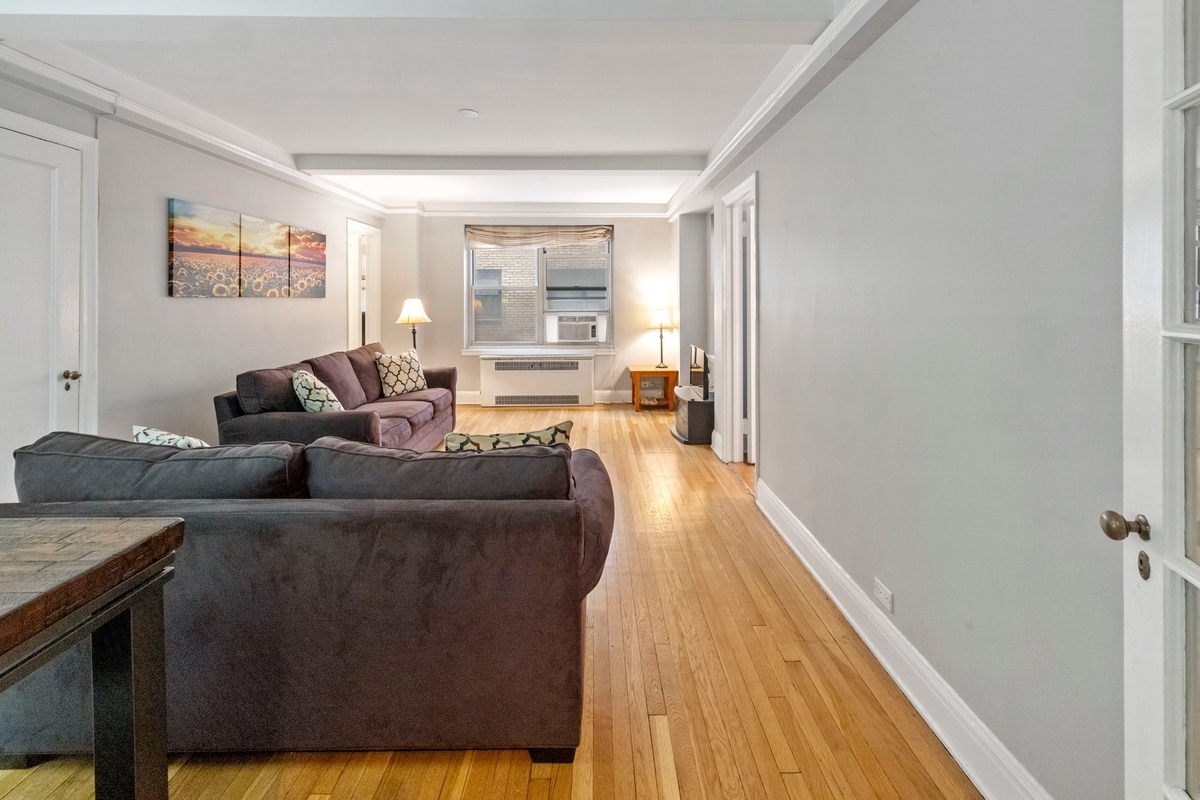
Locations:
(349, 163)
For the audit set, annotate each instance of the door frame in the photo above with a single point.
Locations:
(355, 232)
(89, 253)
(728, 322)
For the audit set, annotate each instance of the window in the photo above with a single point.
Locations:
(532, 285)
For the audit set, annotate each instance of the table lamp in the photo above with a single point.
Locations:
(660, 320)
(413, 314)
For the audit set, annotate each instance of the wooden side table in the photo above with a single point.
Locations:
(66, 579)
(639, 371)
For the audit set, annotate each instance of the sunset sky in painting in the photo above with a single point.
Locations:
(264, 238)
(308, 246)
(203, 228)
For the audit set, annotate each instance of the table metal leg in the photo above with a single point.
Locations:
(129, 703)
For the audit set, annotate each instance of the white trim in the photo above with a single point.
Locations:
(152, 121)
(850, 33)
(717, 445)
(994, 770)
(727, 295)
(89, 254)
(607, 396)
(467, 398)
(536, 210)
(40, 76)
(383, 164)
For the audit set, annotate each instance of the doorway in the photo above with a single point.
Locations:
(738, 391)
(47, 279)
(362, 284)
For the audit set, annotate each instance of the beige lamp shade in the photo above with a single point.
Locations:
(413, 313)
(661, 319)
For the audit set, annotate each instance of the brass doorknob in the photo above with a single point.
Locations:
(1116, 527)
(71, 374)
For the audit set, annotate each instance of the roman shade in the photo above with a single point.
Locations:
(483, 237)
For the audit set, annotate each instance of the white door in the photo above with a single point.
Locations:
(40, 258)
(738, 331)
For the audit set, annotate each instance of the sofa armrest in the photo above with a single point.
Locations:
(444, 378)
(300, 427)
(227, 407)
(594, 493)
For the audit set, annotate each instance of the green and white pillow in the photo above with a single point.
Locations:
(556, 434)
(314, 395)
(400, 374)
(154, 436)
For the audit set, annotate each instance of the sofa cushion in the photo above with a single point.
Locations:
(482, 442)
(66, 467)
(441, 398)
(362, 359)
(336, 372)
(314, 394)
(417, 412)
(352, 470)
(400, 374)
(269, 389)
(394, 432)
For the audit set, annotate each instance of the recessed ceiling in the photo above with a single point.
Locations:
(517, 187)
(547, 78)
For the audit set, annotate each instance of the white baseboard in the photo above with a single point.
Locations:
(994, 770)
(613, 395)
(719, 448)
(600, 396)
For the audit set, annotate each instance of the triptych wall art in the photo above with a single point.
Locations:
(217, 253)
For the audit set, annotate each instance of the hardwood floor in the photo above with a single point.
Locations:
(716, 668)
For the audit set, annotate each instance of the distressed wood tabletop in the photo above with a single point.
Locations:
(51, 567)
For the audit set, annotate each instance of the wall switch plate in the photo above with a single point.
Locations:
(883, 595)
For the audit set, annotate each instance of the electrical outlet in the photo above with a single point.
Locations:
(884, 595)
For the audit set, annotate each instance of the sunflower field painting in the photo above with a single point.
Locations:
(306, 251)
(264, 258)
(203, 250)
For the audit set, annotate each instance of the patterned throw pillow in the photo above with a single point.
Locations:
(558, 434)
(400, 374)
(314, 395)
(154, 436)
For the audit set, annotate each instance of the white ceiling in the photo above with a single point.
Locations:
(517, 187)
(548, 77)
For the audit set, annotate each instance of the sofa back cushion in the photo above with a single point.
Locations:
(343, 470)
(67, 467)
(334, 370)
(363, 361)
(269, 389)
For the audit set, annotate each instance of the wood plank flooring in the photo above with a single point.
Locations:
(716, 668)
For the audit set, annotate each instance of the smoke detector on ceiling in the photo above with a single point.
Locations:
(469, 113)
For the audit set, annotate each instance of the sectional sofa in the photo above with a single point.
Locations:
(264, 408)
(341, 596)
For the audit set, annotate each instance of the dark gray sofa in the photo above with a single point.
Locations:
(264, 408)
(302, 623)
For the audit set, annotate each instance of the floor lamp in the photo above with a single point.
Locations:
(413, 314)
(660, 320)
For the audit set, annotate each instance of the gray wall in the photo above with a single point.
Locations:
(940, 329)
(645, 276)
(34, 104)
(694, 300)
(162, 359)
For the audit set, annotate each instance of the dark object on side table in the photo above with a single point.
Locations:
(265, 408)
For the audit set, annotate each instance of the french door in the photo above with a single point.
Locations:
(1161, 555)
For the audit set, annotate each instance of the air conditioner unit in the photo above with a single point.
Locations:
(544, 381)
(577, 328)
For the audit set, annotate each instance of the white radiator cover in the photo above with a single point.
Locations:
(536, 381)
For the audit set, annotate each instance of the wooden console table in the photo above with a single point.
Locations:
(669, 374)
(64, 578)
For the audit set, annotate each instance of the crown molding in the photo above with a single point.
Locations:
(536, 210)
(351, 163)
(33, 74)
(852, 31)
